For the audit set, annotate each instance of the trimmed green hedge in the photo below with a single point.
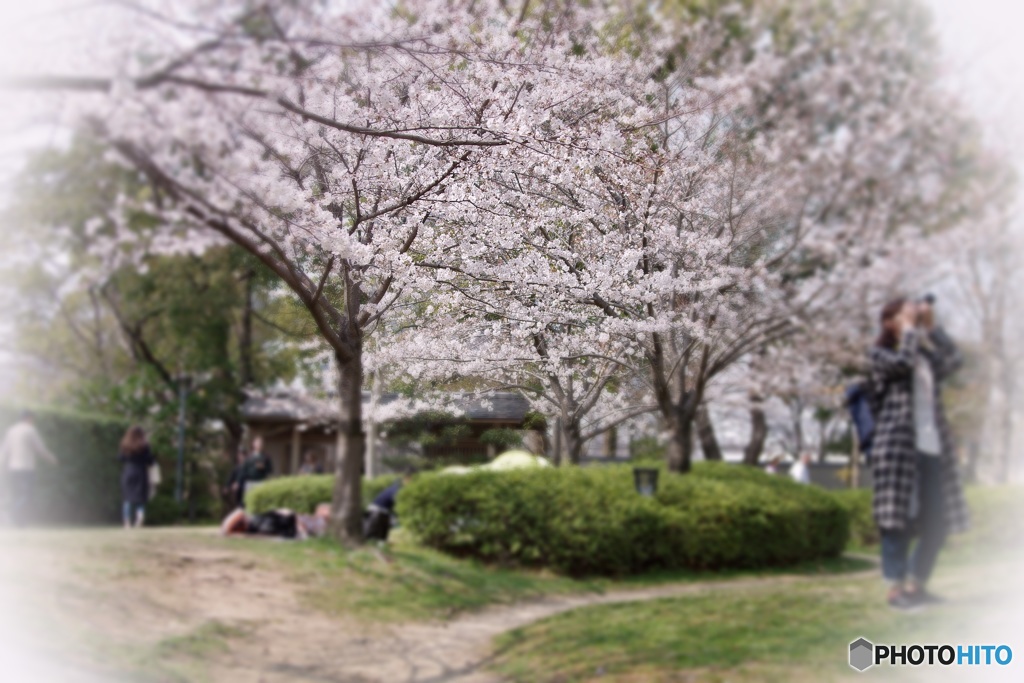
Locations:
(304, 493)
(857, 502)
(589, 521)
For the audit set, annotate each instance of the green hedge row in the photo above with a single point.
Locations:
(85, 488)
(590, 521)
(857, 503)
(304, 493)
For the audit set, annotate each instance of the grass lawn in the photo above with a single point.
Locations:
(405, 581)
(173, 605)
(796, 632)
(742, 635)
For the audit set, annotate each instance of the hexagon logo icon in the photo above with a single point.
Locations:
(862, 654)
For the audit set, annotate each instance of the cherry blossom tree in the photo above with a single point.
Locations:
(556, 355)
(876, 158)
(788, 165)
(544, 169)
(331, 141)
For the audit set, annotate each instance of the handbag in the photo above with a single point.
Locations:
(153, 473)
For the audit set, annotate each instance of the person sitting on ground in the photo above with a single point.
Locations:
(282, 522)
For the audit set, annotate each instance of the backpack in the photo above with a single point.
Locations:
(273, 523)
(862, 400)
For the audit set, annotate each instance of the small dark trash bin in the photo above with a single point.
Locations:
(645, 479)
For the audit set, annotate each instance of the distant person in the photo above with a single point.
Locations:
(801, 470)
(773, 465)
(233, 488)
(283, 523)
(917, 491)
(310, 464)
(379, 514)
(136, 458)
(21, 446)
(258, 467)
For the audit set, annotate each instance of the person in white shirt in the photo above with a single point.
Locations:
(21, 448)
(800, 472)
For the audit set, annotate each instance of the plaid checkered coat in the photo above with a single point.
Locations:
(893, 452)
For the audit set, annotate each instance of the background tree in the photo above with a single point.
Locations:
(115, 338)
(327, 141)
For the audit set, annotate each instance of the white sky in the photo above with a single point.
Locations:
(985, 58)
(981, 39)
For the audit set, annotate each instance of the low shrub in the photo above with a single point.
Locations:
(586, 521)
(857, 503)
(85, 488)
(163, 510)
(304, 493)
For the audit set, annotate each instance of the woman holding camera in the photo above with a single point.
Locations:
(917, 491)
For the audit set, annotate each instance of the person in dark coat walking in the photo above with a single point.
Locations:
(917, 490)
(258, 467)
(236, 480)
(136, 458)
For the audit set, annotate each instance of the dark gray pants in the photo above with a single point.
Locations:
(930, 528)
(20, 490)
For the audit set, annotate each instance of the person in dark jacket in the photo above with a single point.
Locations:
(136, 458)
(257, 468)
(378, 516)
(233, 488)
(917, 491)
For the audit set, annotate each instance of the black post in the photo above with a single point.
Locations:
(182, 396)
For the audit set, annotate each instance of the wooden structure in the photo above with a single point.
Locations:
(293, 424)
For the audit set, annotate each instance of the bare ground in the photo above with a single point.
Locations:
(181, 605)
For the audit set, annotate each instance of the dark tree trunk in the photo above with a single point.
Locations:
(973, 456)
(346, 505)
(797, 415)
(556, 446)
(246, 375)
(1006, 437)
(572, 442)
(676, 452)
(679, 452)
(823, 440)
(706, 432)
(611, 442)
(758, 433)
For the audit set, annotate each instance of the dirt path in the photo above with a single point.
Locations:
(459, 650)
(166, 606)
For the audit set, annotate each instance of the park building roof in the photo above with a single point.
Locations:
(289, 406)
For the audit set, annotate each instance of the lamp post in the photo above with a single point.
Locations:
(184, 381)
(645, 479)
